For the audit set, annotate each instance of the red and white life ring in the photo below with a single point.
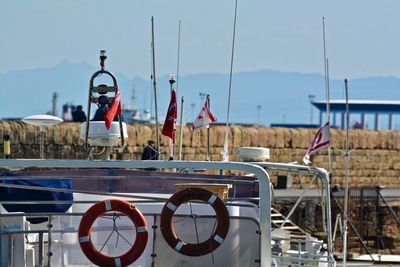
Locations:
(97, 210)
(217, 237)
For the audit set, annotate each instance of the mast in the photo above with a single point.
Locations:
(346, 178)
(328, 111)
(178, 56)
(225, 151)
(181, 129)
(183, 99)
(208, 130)
(172, 141)
(155, 86)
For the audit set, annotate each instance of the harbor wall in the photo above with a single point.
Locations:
(374, 160)
(374, 156)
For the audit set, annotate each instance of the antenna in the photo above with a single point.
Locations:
(177, 61)
(155, 84)
(225, 151)
(42, 121)
(346, 178)
(328, 112)
(181, 129)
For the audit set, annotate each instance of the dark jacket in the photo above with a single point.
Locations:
(78, 116)
(149, 153)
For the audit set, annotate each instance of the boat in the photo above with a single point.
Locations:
(104, 212)
(250, 240)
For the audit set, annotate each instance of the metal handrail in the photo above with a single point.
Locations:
(258, 169)
(259, 172)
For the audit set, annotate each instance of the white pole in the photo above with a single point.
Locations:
(172, 141)
(346, 178)
(181, 129)
(225, 151)
(208, 130)
(155, 86)
(328, 112)
(178, 57)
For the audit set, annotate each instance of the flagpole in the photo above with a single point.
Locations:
(171, 141)
(225, 151)
(178, 57)
(181, 129)
(328, 112)
(208, 130)
(346, 178)
(155, 88)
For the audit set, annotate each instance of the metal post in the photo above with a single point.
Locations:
(346, 178)
(328, 111)
(41, 258)
(363, 121)
(208, 130)
(334, 119)
(225, 151)
(181, 129)
(391, 122)
(155, 86)
(376, 121)
(172, 141)
(178, 57)
(342, 123)
(49, 253)
(378, 242)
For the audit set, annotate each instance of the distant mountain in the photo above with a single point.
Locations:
(283, 96)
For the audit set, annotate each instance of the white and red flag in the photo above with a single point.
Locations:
(321, 140)
(170, 119)
(205, 117)
(114, 110)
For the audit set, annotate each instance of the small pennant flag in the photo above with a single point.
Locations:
(114, 110)
(170, 119)
(205, 117)
(321, 140)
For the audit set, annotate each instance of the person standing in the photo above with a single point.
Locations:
(78, 115)
(150, 151)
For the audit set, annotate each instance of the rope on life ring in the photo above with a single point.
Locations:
(194, 249)
(85, 226)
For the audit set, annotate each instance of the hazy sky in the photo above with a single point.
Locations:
(363, 36)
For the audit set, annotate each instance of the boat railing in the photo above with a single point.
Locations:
(259, 170)
(260, 173)
(53, 236)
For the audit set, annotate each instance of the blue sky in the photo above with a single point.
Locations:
(362, 35)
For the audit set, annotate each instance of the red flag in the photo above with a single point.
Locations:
(114, 110)
(321, 140)
(170, 119)
(204, 119)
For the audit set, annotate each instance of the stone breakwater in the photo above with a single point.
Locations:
(374, 161)
(374, 157)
